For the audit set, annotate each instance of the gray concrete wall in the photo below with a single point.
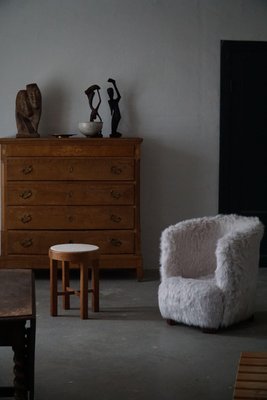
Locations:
(165, 56)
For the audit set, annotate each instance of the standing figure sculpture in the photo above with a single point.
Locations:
(28, 111)
(90, 93)
(114, 108)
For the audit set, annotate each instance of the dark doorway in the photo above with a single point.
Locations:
(243, 131)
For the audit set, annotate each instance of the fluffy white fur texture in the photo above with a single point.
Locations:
(209, 270)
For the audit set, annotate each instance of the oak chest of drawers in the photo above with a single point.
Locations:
(70, 190)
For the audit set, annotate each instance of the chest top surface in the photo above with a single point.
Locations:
(16, 294)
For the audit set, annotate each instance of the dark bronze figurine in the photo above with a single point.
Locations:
(90, 93)
(28, 111)
(114, 108)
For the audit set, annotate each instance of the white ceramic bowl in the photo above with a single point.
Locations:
(90, 128)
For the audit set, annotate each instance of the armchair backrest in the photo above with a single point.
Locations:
(190, 248)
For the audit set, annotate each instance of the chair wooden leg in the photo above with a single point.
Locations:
(20, 363)
(53, 287)
(65, 285)
(170, 321)
(83, 291)
(209, 330)
(95, 285)
(140, 273)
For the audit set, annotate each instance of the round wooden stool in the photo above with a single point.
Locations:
(86, 256)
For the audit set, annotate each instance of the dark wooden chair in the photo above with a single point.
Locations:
(17, 329)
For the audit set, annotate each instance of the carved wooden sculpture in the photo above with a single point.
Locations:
(35, 99)
(28, 111)
(114, 108)
(90, 93)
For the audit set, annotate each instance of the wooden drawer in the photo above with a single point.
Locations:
(76, 147)
(70, 217)
(36, 242)
(69, 193)
(46, 168)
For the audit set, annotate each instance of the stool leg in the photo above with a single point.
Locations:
(65, 285)
(83, 291)
(53, 287)
(95, 285)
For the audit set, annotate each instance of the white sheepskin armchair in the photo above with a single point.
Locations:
(209, 269)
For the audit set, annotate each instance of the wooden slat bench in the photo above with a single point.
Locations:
(251, 379)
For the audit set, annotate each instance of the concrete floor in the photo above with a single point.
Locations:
(128, 352)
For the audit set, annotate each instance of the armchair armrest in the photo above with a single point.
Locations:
(236, 274)
(237, 256)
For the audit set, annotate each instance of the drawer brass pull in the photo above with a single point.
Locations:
(27, 170)
(26, 194)
(115, 242)
(115, 218)
(71, 169)
(26, 218)
(70, 218)
(115, 194)
(116, 170)
(26, 243)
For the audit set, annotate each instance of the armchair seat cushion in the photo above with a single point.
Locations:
(197, 302)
